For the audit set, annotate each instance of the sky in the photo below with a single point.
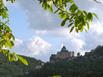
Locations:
(38, 32)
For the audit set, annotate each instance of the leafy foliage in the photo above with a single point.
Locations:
(56, 76)
(6, 37)
(67, 10)
(22, 60)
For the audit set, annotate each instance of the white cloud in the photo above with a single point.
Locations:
(38, 46)
(18, 42)
(100, 1)
(38, 18)
(77, 44)
(97, 27)
(93, 37)
(73, 44)
(34, 47)
(46, 25)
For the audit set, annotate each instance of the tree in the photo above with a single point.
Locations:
(6, 37)
(78, 54)
(78, 20)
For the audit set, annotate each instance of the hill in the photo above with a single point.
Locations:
(89, 65)
(16, 69)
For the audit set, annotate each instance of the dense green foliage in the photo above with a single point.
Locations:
(6, 37)
(89, 65)
(15, 69)
(67, 10)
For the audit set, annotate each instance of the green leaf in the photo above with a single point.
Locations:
(12, 57)
(73, 8)
(63, 15)
(71, 1)
(44, 5)
(56, 76)
(12, 1)
(82, 27)
(71, 29)
(94, 14)
(88, 25)
(9, 43)
(76, 30)
(89, 16)
(85, 12)
(23, 60)
(70, 24)
(56, 11)
(64, 21)
(50, 9)
(8, 29)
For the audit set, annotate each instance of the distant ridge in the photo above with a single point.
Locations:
(89, 65)
(16, 69)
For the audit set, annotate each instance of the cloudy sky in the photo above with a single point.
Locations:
(38, 32)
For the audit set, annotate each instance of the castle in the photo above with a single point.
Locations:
(61, 55)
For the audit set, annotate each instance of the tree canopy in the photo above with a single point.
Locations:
(79, 20)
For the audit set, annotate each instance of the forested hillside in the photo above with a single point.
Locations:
(15, 69)
(89, 65)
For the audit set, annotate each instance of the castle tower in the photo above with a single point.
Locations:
(64, 49)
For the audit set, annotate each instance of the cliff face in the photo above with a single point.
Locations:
(62, 55)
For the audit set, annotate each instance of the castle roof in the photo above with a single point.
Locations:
(64, 49)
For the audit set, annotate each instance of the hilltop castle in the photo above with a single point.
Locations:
(62, 55)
